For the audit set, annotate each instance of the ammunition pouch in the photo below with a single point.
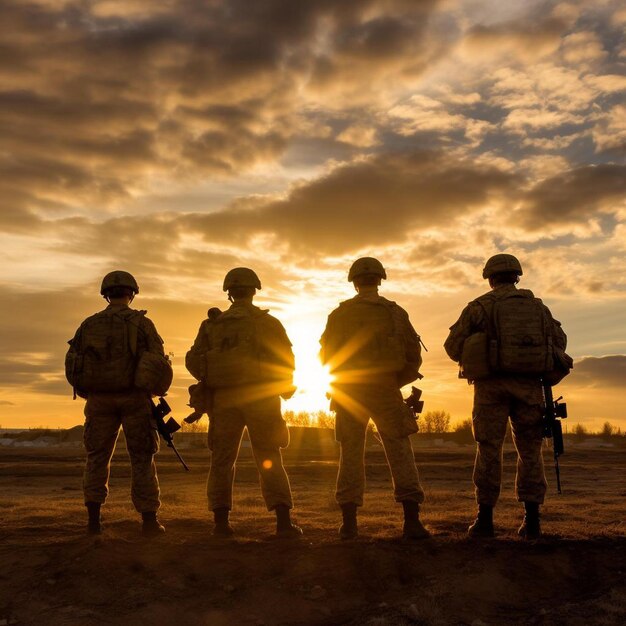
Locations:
(477, 356)
(154, 373)
(563, 363)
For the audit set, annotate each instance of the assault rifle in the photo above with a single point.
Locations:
(552, 428)
(414, 403)
(166, 429)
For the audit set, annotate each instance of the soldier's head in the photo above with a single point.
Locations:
(241, 283)
(366, 272)
(502, 269)
(119, 287)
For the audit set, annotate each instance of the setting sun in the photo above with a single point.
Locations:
(311, 378)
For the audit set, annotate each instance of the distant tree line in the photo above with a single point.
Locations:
(431, 422)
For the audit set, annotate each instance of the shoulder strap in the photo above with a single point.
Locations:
(133, 322)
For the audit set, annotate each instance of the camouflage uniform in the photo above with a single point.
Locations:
(252, 406)
(376, 395)
(232, 412)
(495, 400)
(105, 412)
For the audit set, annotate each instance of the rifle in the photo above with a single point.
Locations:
(552, 428)
(414, 403)
(159, 411)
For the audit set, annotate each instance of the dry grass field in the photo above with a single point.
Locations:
(52, 573)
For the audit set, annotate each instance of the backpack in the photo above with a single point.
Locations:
(365, 339)
(517, 339)
(234, 356)
(103, 355)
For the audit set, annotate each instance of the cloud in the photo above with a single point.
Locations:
(370, 202)
(574, 196)
(606, 371)
(528, 39)
(609, 133)
(189, 89)
(582, 48)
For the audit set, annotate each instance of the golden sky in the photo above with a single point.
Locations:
(180, 138)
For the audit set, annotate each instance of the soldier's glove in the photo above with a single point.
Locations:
(193, 417)
(288, 393)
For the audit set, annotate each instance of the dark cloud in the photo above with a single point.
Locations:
(104, 96)
(531, 36)
(573, 196)
(371, 202)
(606, 371)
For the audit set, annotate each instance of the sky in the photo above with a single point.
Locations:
(179, 139)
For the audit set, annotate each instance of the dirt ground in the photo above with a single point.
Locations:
(52, 573)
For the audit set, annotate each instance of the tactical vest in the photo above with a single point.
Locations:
(105, 358)
(366, 340)
(235, 356)
(517, 338)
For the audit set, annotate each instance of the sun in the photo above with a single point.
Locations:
(311, 378)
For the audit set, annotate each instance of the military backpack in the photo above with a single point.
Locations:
(104, 357)
(235, 356)
(365, 339)
(517, 338)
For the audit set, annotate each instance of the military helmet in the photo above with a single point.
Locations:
(366, 265)
(241, 277)
(119, 278)
(502, 263)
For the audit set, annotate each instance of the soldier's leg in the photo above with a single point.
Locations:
(268, 434)
(404, 474)
(393, 423)
(526, 424)
(102, 424)
(225, 433)
(350, 433)
(489, 420)
(142, 443)
(275, 485)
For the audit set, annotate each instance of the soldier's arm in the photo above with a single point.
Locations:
(558, 335)
(74, 342)
(325, 353)
(194, 359)
(412, 340)
(280, 346)
(153, 340)
(200, 343)
(467, 324)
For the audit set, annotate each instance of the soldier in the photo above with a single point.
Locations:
(244, 360)
(111, 362)
(505, 341)
(372, 350)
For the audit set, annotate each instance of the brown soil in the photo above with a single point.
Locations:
(52, 573)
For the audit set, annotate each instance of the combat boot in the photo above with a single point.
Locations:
(413, 527)
(531, 527)
(94, 526)
(151, 526)
(285, 528)
(483, 524)
(349, 529)
(222, 526)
